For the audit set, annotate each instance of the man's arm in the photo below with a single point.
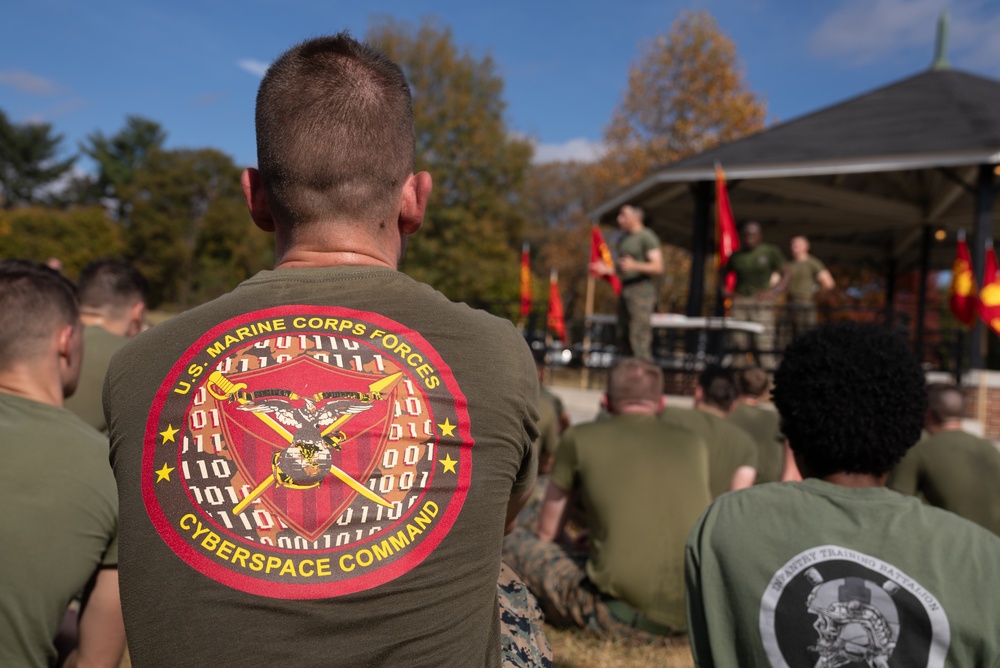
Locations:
(102, 632)
(514, 506)
(825, 280)
(653, 266)
(743, 477)
(553, 514)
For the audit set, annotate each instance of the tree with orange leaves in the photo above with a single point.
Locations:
(686, 93)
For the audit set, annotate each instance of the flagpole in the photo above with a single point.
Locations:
(588, 312)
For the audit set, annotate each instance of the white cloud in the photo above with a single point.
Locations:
(25, 82)
(862, 31)
(255, 67)
(580, 150)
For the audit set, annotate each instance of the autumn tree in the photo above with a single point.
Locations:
(28, 161)
(555, 200)
(473, 227)
(686, 93)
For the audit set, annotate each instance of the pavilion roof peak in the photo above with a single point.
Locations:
(941, 43)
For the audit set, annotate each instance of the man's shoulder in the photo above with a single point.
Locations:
(405, 300)
(648, 236)
(731, 431)
(95, 335)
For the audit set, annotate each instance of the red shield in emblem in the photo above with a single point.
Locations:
(339, 416)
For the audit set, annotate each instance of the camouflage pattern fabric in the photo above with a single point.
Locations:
(635, 306)
(799, 316)
(522, 639)
(760, 310)
(555, 574)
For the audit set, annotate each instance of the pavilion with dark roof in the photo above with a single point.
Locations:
(885, 179)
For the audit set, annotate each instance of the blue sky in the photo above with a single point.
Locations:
(194, 65)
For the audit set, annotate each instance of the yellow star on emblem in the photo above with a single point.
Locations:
(164, 473)
(168, 434)
(449, 464)
(447, 429)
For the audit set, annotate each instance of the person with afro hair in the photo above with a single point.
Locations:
(838, 569)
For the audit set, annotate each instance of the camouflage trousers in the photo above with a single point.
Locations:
(635, 306)
(798, 317)
(555, 574)
(522, 640)
(760, 310)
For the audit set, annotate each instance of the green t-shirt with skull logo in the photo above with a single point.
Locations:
(812, 573)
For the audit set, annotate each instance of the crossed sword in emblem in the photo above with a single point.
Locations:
(231, 390)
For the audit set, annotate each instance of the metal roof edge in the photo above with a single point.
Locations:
(867, 164)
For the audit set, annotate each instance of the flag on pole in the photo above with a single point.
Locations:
(556, 318)
(989, 296)
(525, 281)
(725, 227)
(962, 296)
(599, 254)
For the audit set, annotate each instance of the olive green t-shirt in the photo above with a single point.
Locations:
(384, 429)
(812, 573)
(802, 278)
(764, 426)
(729, 447)
(59, 524)
(643, 485)
(637, 246)
(753, 268)
(548, 425)
(99, 345)
(956, 471)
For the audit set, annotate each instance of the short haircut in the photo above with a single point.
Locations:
(334, 132)
(633, 380)
(718, 387)
(945, 402)
(113, 284)
(638, 211)
(752, 381)
(34, 301)
(851, 398)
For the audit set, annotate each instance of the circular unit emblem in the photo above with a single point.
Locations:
(833, 606)
(307, 452)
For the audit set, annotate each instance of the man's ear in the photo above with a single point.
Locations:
(662, 403)
(136, 318)
(253, 192)
(416, 193)
(698, 395)
(64, 341)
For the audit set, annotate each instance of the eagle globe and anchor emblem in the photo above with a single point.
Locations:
(311, 431)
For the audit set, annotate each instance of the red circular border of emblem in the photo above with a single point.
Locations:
(269, 588)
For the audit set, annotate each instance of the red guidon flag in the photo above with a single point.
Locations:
(989, 296)
(556, 319)
(725, 227)
(962, 298)
(525, 281)
(600, 254)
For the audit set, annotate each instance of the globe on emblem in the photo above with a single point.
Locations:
(306, 462)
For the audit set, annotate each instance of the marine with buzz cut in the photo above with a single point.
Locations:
(113, 310)
(60, 519)
(951, 468)
(642, 485)
(319, 466)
